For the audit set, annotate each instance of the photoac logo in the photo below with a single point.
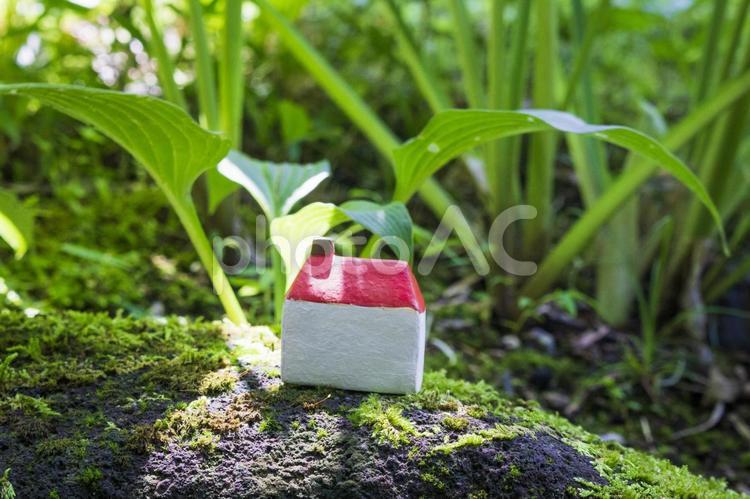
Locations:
(236, 255)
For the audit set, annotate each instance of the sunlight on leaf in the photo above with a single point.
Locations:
(16, 223)
(389, 221)
(162, 137)
(277, 187)
(292, 234)
(218, 188)
(164, 140)
(454, 132)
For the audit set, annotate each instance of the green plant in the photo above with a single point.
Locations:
(164, 140)
(6, 372)
(363, 116)
(611, 207)
(276, 187)
(6, 488)
(293, 233)
(16, 222)
(220, 105)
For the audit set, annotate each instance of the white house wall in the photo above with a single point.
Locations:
(352, 347)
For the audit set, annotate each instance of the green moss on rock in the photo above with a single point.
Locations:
(121, 423)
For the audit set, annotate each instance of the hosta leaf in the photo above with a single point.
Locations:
(164, 140)
(451, 133)
(391, 220)
(161, 136)
(277, 187)
(218, 188)
(16, 223)
(292, 234)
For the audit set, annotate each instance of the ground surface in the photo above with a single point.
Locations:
(93, 406)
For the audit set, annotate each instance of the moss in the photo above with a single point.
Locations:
(30, 418)
(141, 438)
(218, 382)
(437, 386)
(89, 477)
(79, 349)
(514, 472)
(388, 422)
(269, 423)
(433, 480)
(468, 440)
(498, 432)
(195, 425)
(132, 227)
(74, 447)
(476, 411)
(6, 488)
(631, 473)
(203, 440)
(187, 371)
(119, 354)
(455, 423)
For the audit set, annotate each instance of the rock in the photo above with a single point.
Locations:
(260, 438)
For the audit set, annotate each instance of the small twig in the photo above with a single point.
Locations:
(646, 429)
(676, 376)
(742, 428)
(312, 405)
(712, 421)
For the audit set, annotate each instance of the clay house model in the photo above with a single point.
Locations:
(353, 323)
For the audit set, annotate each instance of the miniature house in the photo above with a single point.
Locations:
(353, 323)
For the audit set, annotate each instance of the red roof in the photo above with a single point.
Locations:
(367, 282)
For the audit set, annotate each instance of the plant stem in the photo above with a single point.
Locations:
(467, 54)
(232, 73)
(540, 186)
(714, 172)
(723, 285)
(707, 72)
(497, 177)
(425, 79)
(583, 48)
(204, 67)
(735, 39)
(578, 237)
(279, 284)
(164, 66)
(507, 190)
(353, 106)
(186, 213)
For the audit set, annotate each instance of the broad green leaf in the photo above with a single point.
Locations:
(16, 223)
(627, 183)
(295, 123)
(277, 187)
(451, 133)
(96, 256)
(218, 187)
(162, 138)
(292, 234)
(389, 221)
